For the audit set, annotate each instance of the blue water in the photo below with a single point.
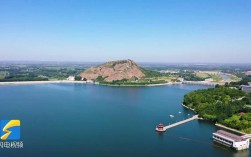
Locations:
(63, 120)
(225, 77)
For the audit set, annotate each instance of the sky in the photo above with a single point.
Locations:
(166, 31)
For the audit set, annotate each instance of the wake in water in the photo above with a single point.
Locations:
(194, 140)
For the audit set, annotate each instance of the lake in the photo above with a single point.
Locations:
(63, 120)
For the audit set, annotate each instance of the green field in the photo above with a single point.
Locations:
(234, 78)
(216, 78)
(203, 75)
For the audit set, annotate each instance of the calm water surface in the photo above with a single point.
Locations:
(63, 120)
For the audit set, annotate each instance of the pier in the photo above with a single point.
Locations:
(178, 123)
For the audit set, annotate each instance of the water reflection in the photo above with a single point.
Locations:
(244, 153)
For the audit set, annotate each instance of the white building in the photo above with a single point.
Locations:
(246, 88)
(209, 80)
(89, 81)
(71, 78)
(181, 79)
(248, 73)
(231, 140)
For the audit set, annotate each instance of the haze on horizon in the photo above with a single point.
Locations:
(179, 31)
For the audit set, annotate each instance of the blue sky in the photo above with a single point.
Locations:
(200, 31)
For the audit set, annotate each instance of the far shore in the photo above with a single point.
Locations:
(84, 82)
(81, 82)
(141, 85)
(39, 82)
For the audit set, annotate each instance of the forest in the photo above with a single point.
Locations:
(225, 105)
(38, 72)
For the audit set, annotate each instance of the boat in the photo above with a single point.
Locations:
(160, 128)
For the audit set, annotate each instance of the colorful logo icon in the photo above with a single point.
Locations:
(10, 129)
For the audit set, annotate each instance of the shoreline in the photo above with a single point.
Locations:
(188, 108)
(231, 129)
(80, 82)
(139, 85)
(39, 82)
(220, 125)
(163, 84)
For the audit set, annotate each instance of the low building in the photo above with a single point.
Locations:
(210, 72)
(248, 73)
(89, 81)
(242, 113)
(209, 80)
(180, 79)
(246, 88)
(71, 78)
(231, 140)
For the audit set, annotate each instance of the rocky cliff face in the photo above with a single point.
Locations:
(114, 70)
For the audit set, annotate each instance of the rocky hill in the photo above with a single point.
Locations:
(114, 70)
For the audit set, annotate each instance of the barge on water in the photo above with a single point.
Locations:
(231, 140)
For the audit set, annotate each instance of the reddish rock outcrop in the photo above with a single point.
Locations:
(115, 70)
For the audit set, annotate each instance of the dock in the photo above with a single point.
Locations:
(179, 123)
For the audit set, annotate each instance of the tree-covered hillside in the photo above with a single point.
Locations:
(222, 105)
